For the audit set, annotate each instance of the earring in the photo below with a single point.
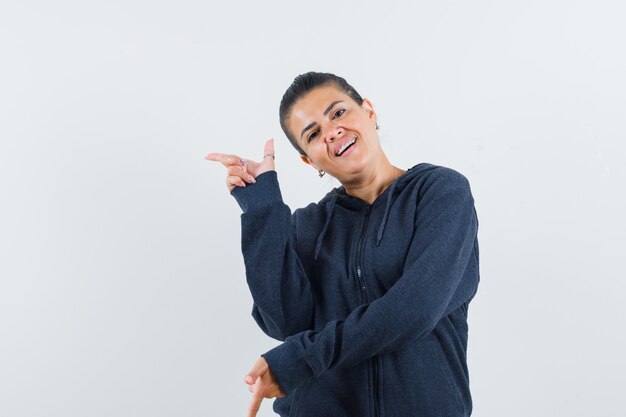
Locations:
(377, 128)
(321, 172)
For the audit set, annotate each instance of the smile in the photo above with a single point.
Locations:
(345, 146)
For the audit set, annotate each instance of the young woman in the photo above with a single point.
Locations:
(369, 288)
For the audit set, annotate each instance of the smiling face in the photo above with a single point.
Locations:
(337, 134)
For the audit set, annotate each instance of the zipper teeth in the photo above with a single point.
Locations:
(359, 254)
(363, 291)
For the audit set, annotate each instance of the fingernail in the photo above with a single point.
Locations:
(252, 180)
(249, 379)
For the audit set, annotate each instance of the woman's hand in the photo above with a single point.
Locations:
(262, 384)
(241, 171)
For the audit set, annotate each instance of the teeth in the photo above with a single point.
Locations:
(345, 146)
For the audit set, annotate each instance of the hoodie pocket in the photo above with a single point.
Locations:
(440, 359)
(297, 398)
(341, 392)
(416, 382)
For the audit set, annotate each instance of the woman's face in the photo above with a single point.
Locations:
(337, 135)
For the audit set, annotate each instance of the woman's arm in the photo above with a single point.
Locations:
(440, 274)
(283, 302)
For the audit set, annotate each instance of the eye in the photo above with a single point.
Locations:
(312, 136)
(339, 113)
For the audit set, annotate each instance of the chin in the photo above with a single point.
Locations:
(361, 162)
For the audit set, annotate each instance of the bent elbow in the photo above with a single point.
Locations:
(279, 328)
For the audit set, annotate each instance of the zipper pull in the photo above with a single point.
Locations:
(360, 276)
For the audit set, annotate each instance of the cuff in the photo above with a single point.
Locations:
(262, 193)
(288, 366)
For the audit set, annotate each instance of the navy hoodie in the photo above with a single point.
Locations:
(370, 301)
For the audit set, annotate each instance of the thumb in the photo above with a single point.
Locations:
(257, 370)
(268, 152)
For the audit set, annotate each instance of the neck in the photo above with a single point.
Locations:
(375, 182)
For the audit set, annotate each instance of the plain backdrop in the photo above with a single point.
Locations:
(122, 288)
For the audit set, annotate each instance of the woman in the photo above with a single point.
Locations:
(369, 288)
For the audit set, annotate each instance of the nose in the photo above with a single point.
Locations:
(332, 133)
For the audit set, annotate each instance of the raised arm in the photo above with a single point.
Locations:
(440, 274)
(283, 302)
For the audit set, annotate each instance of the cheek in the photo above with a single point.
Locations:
(319, 147)
(314, 150)
(358, 122)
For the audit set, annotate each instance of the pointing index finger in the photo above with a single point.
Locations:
(255, 404)
(225, 159)
(214, 156)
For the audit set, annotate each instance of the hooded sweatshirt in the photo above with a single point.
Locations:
(370, 301)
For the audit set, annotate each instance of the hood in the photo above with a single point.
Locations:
(339, 196)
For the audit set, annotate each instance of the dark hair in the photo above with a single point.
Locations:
(300, 86)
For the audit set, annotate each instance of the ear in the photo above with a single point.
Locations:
(369, 108)
(308, 161)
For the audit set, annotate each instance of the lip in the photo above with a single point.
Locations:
(341, 143)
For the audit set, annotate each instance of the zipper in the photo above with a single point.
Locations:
(359, 256)
(365, 298)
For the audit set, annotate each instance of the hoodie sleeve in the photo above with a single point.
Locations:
(440, 274)
(283, 302)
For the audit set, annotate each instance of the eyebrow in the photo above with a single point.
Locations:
(328, 109)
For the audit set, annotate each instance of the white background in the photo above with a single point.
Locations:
(122, 290)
